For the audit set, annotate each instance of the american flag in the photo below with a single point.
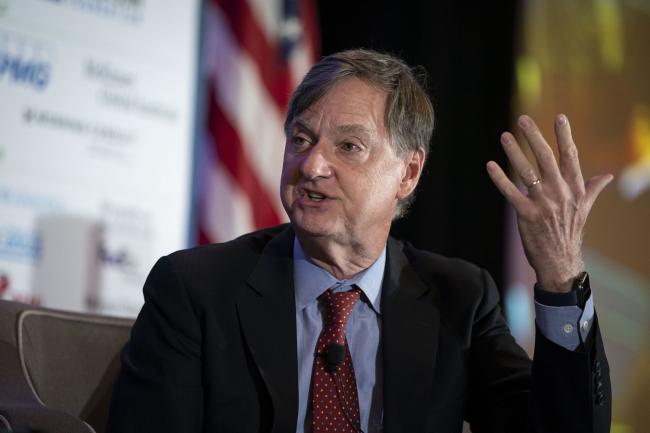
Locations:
(256, 52)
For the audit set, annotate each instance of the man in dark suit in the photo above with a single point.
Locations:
(329, 325)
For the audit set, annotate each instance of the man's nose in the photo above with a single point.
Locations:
(316, 163)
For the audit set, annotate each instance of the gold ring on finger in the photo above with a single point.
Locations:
(537, 181)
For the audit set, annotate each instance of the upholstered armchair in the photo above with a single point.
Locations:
(57, 368)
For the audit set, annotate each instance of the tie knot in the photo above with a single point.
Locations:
(339, 305)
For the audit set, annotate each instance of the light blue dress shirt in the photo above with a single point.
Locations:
(362, 332)
(565, 326)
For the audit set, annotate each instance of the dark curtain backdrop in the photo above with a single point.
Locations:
(468, 53)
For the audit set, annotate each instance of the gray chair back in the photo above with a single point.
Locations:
(69, 361)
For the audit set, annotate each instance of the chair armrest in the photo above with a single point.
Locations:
(20, 409)
(33, 418)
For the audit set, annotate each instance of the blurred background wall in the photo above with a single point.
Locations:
(129, 129)
(97, 118)
(590, 60)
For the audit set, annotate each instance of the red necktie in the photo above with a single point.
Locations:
(335, 403)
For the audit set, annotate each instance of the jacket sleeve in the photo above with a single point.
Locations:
(571, 389)
(562, 391)
(159, 385)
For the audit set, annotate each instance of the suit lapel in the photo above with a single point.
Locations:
(268, 318)
(410, 324)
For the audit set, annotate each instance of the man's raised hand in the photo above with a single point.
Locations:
(552, 214)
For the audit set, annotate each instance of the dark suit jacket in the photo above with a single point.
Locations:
(214, 350)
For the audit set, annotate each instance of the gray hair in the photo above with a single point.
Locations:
(409, 115)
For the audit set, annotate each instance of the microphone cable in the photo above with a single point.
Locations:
(341, 396)
(334, 356)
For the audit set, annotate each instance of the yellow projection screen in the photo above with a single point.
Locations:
(591, 61)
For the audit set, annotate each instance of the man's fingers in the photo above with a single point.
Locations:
(569, 162)
(594, 187)
(543, 154)
(507, 188)
(520, 163)
(564, 181)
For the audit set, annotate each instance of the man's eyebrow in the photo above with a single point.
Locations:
(354, 128)
(297, 122)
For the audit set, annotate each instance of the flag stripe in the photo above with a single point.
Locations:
(230, 213)
(256, 52)
(247, 105)
(231, 153)
(267, 56)
(267, 14)
(310, 33)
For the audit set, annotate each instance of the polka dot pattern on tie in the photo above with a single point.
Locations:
(335, 402)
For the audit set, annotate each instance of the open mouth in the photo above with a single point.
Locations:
(315, 196)
(312, 196)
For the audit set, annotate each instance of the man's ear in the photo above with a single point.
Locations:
(414, 163)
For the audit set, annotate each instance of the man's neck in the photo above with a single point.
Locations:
(342, 260)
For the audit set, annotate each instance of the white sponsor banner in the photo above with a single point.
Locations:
(97, 109)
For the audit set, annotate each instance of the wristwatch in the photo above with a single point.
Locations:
(582, 289)
(579, 294)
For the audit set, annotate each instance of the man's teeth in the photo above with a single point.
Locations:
(315, 196)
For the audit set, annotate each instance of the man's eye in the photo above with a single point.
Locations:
(300, 141)
(350, 147)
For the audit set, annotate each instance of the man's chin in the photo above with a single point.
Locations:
(312, 228)
(311, 231)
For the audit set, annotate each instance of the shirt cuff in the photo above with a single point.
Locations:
(565, 326)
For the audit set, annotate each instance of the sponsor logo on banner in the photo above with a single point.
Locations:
(24, 61)
(18, 244)
(126, 10)
(120, 259)
(27, 200)
(108, 74)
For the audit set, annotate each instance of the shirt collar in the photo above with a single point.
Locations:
(310, 280)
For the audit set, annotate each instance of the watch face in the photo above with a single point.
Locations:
(583, 279)
(582, 288)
